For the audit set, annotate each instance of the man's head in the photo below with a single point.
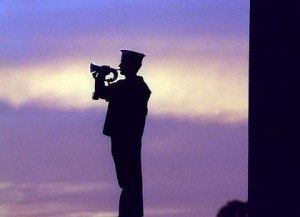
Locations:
(131, 62)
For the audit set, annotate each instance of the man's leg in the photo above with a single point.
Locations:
(127, 157)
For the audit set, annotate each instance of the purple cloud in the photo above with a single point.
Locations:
(62, 157)
(33, 30)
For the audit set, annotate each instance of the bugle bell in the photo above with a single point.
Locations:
(104, 70)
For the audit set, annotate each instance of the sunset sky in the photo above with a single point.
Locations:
(54, 160)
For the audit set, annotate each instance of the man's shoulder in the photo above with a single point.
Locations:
(140, 82)
(132, 85)
(137, 81)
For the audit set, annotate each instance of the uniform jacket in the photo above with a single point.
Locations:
(127, 107)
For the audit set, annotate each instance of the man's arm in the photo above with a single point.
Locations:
(100, 88)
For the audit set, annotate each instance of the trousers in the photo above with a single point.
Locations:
(126, 153)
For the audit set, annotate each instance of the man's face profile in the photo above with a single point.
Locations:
(128, 67)
(123, 67)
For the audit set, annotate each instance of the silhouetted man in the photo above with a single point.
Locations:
(124, 123)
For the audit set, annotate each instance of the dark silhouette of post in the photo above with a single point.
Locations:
(124, 123)
(274, 100)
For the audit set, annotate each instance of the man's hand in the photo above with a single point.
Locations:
(95, 97)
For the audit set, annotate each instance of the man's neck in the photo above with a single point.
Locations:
(130, 77)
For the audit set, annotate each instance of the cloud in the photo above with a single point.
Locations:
(89, 214)
(33, 30)
(192, 82)
(72, 200)
(59, 160)
(196, 64)
(15, 192)
(9, 194)
(48, 199)
(70, 188)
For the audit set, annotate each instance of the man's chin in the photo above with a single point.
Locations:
(122, 73)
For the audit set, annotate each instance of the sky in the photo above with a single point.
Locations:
(54, 159)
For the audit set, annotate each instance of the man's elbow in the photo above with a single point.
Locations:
(95, 96)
